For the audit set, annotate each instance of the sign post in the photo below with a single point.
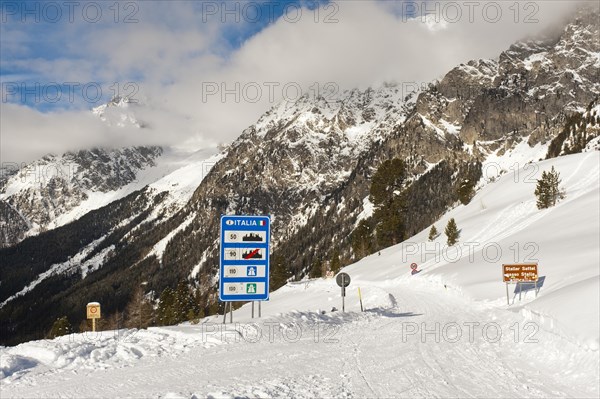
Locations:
(343, 280)
(93, 312)
(244, 260)
(360, 299)
(519, 273)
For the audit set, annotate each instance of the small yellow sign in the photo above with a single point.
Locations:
(93, 310)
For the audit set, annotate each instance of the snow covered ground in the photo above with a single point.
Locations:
(445, 332)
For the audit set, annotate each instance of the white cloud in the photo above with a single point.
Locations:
(173, 54)
(33, 133)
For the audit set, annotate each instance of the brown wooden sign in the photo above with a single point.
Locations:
(520, 273)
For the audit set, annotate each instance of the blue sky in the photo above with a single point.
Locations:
(52, 32)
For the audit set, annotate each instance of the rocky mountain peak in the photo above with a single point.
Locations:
(120, 112)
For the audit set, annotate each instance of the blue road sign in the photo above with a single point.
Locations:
(244, 261)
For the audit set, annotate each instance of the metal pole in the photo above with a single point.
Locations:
(520, 289)
(259, 312)
(507, 298)
(230, 312)
(94, 325)
(252, 309)
(343, 294)
(225, 313)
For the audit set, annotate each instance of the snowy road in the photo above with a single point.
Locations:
(408, 350)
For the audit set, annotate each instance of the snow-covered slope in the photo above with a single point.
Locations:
(503, 225)
(56, 190)
(445, 332)
(177, 175)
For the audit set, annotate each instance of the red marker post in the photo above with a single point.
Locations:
(414, 270)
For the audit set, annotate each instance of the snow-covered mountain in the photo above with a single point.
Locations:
(444, 332)
(120, 112)
(56, 189)
(59, 189)
(309, 164)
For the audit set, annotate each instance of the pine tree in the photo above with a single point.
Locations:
(316, 269)
(541, 192)
(388, 180)
(206, 296)
(390, 228)
(556, 193)
(362, 240)
(452, 232)
(335, 261)
(386, 194)
(200, 302)
(215, 306)
(183, 303)
(139, 311)
(166, 312)
(466, 191)
(548, 190)
(433, 233)
(279, 273)
(61, 326)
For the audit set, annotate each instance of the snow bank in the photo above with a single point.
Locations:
(503, 225)
(99, 350)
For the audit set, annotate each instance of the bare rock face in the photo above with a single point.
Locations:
(537, 83)
(13, 225)
(298, 153)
